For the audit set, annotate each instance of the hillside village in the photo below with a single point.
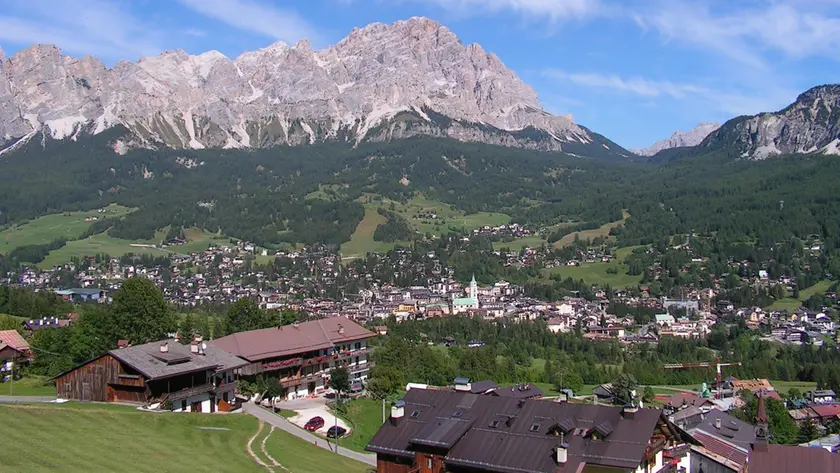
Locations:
(315, 281)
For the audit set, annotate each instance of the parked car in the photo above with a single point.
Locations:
(314, 424)
(335, 432)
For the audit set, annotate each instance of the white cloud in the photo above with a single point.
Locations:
(634, 85)
(729, 101)
(552, 10)
(195, 32)
(95, 27)
(795, 28)
(258, 18)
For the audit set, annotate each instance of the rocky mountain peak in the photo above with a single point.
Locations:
(379, 82)
(680, 139)
(2, 55)
(811, 124)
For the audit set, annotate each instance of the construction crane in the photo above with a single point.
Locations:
(716, 364)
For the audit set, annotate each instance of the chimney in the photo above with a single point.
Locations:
(202, 348)
(397, 412)
(717, 423)
(629, 411)
(164, 347)
(561, 452)
(340, 329)
(194, 348)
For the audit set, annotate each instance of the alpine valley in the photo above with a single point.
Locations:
(286, 145)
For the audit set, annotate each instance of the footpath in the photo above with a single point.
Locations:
(283, 424)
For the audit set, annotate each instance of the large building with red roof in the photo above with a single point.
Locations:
(302, 355)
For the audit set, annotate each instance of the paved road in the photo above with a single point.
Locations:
(26, 399)
(283, 424)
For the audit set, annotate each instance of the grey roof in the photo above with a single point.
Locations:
(732, 430)
(148, 360)
(522, 391)
(481, 387)
(508, 435)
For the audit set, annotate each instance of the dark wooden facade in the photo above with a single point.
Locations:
(393, 464)
(104, 379)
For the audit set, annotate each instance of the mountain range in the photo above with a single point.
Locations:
(379, 83)
(413, 77)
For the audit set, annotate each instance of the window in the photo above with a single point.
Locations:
(358, 345)
(535, 428)
(494, 424)
(429, 463)
(457, 414)
(415, 414)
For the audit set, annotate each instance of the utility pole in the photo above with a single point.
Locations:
(335, 415)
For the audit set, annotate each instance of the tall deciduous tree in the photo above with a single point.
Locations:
(140, 311)
(340, 379)
(245, 314)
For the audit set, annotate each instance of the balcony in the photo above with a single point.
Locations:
(298, 380)
(188, 392)
(226, 387)
(360, 367)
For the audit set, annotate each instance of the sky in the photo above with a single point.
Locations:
(632, 70)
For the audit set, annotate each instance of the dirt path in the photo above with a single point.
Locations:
(265, 452)
(250, 449)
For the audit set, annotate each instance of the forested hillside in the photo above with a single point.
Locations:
(266, 196)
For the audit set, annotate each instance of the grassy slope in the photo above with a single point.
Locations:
(596, 273)
(454, 219)
(365, 415)
(28, 386)
(361, 242)
(603, 230)
(790, 304)
(533, 241)
(101, 243)
(45, 229)
(82, 438)
(197, 241)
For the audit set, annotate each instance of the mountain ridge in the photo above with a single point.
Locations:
(811, 124)
(680, 139)
(283, 95)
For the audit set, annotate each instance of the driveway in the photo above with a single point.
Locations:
(281, 423)
(319, 411)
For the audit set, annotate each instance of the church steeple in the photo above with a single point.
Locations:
(762, 426)
(474, 291)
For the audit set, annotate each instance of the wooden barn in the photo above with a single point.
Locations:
(194, 377)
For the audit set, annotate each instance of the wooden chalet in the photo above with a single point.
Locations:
(431, 431)
(14, 352)
(193, 377)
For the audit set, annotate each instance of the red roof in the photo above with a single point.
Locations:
(256, 345)
(721, 448)
(792, 459)
(826, 410)
(13, 339)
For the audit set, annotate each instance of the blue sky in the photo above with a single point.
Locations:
(632, 70)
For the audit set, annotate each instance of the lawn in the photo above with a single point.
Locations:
(82, 438)
(533, 241)
(596, 273)
(365, 415)
(43, 230)
(28, 386)
(603, 230)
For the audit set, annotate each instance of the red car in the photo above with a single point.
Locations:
(314, 424)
